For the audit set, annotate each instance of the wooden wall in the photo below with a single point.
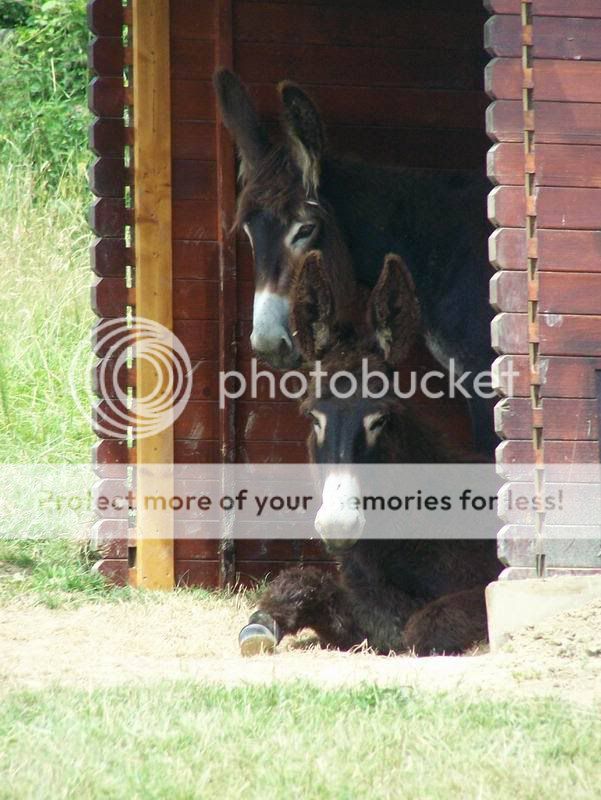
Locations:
(399, 83)
(564, 247)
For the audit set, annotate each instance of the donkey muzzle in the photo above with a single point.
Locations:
(340, 520)
(270, 338)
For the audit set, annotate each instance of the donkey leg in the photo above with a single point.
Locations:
(448, 625)
(300, 598)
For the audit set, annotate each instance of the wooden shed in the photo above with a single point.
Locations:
(397, 82)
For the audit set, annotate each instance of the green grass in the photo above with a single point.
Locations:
(44, 315)
(182, 740)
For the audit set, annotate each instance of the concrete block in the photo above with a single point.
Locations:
(512, 605)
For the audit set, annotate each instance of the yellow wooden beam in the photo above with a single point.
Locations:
(154, 568)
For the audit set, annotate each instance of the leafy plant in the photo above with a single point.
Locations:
(43, 79)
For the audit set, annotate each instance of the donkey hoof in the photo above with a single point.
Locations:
(255, 639)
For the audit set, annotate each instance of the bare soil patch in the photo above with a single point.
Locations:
(180, 636)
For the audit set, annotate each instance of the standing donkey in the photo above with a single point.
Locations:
(295, 198)
(396, 594)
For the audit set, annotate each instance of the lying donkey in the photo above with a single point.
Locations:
(295, 198)
(396, 594)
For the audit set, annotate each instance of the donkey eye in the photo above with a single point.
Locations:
(303, 233)
(377, 423)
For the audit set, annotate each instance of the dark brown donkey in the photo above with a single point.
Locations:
(297, 197)
(397, 594)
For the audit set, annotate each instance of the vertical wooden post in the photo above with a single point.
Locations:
(226, 204)
(154, 566)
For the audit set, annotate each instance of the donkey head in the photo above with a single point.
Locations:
(279, 207)
(357, 418)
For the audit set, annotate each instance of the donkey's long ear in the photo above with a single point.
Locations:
(302, 123)
(312, 309)
(241, 119)
(393, 310)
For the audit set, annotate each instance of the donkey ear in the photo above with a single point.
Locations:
(241, 119)
(302, 123)
(393, 310)
(312, 310)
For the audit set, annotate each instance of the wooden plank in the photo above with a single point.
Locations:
(570, 293)
(509, 291)
(199, 337)
(554, 80)
(105, 17)
(561, 376)
(360, 66)
(109, 297)
(204, 385)
(199, 420)
(192, 59)
(114, 570)
(106, 56)
(193, 139)
(108, 217)
(567, 8)
(271, 452)
(556, 123)
(556, 165)
(194, 180)
(228, 310)
(503, 6)
(154, 567)
(515, 458)
(281, 550)
(270, 421)
(561, 251)
(107, 137)
(195, 220)
(331, 24)
(190, 19)
(110, 537)
(109, 257)
(523, 573)
(563, 419)
(507, 207)
(388, 106)
(576, 546)
(557, 207)
(106, 96)
(196, 259)
(197, 573)
(196, 451)
(581, 499)
(108, 177)
(575, 336)
(566, 38)
(192, 100)
(503, 78)
(559, 292)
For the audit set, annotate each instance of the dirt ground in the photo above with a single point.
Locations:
(180, 636)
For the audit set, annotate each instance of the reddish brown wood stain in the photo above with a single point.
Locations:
(399, 83)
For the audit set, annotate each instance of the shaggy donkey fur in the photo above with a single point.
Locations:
(297, 197)
(395, 594)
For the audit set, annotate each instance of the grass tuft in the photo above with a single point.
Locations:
(184, 740)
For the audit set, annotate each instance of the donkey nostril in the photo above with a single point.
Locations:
(285, 346)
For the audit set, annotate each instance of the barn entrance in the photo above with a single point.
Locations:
(396, 84)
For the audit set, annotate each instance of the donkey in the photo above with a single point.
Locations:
(397, 594)
(295, 197)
